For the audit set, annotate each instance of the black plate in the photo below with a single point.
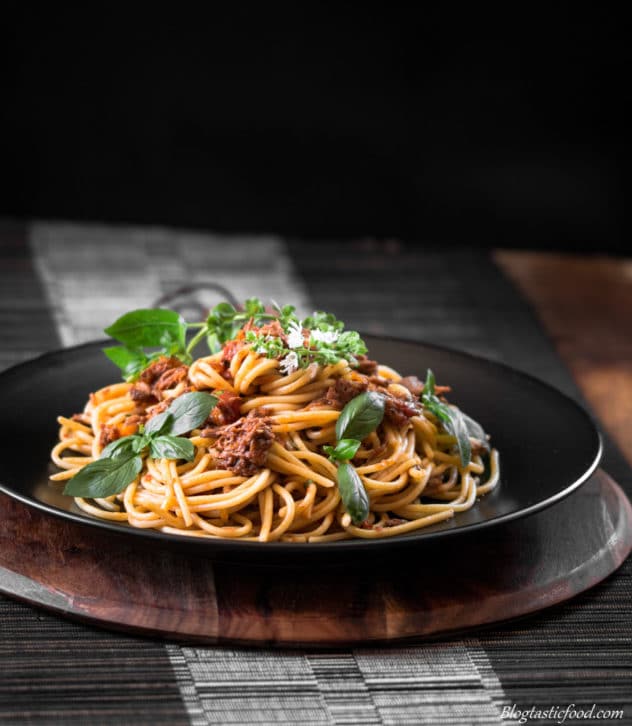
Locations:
(548, 444)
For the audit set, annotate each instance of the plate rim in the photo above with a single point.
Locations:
(219, 546)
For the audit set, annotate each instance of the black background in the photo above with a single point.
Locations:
(324, 120)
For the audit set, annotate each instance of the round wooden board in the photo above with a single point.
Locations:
(427, 590)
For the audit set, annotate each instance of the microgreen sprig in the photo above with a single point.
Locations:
(121, 460)
(224, 321)
(327, 341)
(321, 349)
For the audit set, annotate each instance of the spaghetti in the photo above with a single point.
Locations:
(260, 468)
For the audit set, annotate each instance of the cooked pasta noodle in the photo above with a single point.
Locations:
(287, 490)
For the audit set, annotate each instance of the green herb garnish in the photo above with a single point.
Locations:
(319, 338)
(161, 331)
(104, 477)
(344, 450)
(451, 417)
(476, 431)
(358, 418)
(353, 493)
(121, 460)
(224, 321)
(148, 334)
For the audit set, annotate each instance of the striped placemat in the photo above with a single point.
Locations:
(70, 281)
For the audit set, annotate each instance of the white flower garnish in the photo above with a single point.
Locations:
(295, 335)
(289, 364)
(325, 336)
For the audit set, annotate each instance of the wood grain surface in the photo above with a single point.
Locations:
(465, 582)
(585, 305)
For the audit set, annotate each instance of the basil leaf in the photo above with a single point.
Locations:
(131, 362)
(476, 431)
(104, 477)
(224, 311)
(454, 423)
(451, 417)
(190, 411)
(220, 324)
(160, 424)
(344, 450)
(140, 442)
(120, 447)
(253, 306)
(429, 385)
(151, 327)
(213, 343)
(171, 447)
(353, 493)
(360, 416)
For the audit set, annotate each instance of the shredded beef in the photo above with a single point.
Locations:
(379, 382)
(161, 375)
(135, 419)
(108, 434)
(227, 410)
(229, 350)
(366, 366)
(128, 426)
(413, 384)
(141, 391)
(242, 447)
(416, 387)
(153, 372)
(210, 432)
(171, 378)
(398, 411)
(343, 390)
(159, 408)
(272, 328)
